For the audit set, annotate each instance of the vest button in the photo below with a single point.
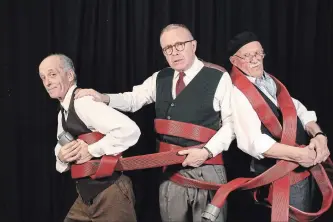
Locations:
(172, 104)
(168, 117)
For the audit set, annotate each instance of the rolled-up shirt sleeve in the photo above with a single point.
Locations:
(120, 131)
(303, 113)
(247, 126)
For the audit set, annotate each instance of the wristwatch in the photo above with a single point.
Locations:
(320, 133)
(210, 154)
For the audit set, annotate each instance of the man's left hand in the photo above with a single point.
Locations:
(319, 143)
(195, 157)
(85, 155)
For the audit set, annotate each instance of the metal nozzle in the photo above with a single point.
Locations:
(211, 212)
(64, 138)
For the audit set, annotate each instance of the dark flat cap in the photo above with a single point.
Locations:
(239, 41)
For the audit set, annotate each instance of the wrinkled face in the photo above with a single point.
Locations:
(178, 48)
(249, 59)
(55, 80)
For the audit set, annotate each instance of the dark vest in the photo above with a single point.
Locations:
(87, 187)
(193, 105)
(302, 138)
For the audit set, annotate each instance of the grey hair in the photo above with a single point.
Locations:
(175, 26)
(66, 64)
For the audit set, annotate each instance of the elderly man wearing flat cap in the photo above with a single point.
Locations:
(269, 124)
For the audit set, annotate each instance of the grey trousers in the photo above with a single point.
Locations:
(181, 204)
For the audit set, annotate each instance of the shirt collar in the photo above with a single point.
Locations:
(253, 79)
(65, 103)
(193, 70)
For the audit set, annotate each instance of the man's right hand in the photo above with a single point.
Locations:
(98, 97)
(307, 156)
(69, 152)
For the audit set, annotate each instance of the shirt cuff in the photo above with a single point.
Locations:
(95, 149)
(309, 116)
(261, 145)
(61, 166)
(216, 148)
(108, 104)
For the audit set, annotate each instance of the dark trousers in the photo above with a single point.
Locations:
(114, 204)
(303, 196)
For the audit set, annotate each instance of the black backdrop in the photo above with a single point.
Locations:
(115, 45)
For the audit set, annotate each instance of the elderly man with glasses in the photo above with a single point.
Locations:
(270, 125)
(190, 96)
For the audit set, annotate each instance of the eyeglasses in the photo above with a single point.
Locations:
(248, 57)
(180, 46)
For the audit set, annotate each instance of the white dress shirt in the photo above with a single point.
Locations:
(119, 130)
(247, 124)
(146, 94)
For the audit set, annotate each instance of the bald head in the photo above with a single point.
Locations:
(57, 74)
(62, 60)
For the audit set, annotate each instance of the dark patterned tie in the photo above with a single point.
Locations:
(180, 85)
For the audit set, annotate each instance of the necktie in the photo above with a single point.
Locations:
(268, 84)
(180, 85)
(63, 112)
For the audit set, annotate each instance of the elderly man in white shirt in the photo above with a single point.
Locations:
(254, 137)
(106, 199)
(188, 92)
